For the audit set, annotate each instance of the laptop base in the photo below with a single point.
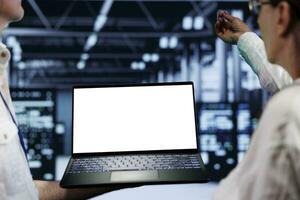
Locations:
(134, 178)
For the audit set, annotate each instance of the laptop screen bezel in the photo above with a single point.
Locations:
(193, 150)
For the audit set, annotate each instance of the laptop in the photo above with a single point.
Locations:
(134, 134)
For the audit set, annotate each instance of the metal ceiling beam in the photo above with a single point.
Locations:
(59, 71)
(33, 32)
(211, 8)
(89, 21)
(40, 14)
(65, 15)
(148, 15)
(92, 56)
(71, 44)
(91, 9)
(128, 41)
(195, 6)
(80, 80)
(62, 85)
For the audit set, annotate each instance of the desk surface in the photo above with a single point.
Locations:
(165, 192)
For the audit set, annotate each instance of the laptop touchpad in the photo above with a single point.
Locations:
(124, 176)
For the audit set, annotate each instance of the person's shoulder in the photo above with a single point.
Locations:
(282, 116)
(287, 100)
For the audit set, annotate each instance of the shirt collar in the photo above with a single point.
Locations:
(4, 54)
(4, 57)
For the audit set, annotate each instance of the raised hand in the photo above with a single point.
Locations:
(229, 28)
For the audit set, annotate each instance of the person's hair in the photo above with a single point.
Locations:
(295, 5)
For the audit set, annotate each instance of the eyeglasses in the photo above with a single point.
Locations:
(255, 6)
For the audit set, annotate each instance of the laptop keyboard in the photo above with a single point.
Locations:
(135, 162)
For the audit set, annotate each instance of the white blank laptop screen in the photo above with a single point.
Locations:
(139, 118)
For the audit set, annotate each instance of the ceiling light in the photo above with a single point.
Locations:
(146, 57)
(134, 65)
(187, 23)
(21, 65)
(81, 65)
(163, 42)
(198, 23)
(85, 56)
(91, 41)
(173, 42)
(155, 57)
(99, 23)
(142, 65)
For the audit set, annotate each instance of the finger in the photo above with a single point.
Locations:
(226, 12)
(219, 14)
(221, 26)
(220, 30)
(226, 24)
(218, 27)
(228, 17)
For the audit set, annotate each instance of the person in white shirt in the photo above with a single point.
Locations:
(271, 167)
(16, 182)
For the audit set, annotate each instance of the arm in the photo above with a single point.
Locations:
(50, 190)
(234, 31)
(272, 77)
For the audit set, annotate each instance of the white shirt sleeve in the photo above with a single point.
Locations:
(272, 77)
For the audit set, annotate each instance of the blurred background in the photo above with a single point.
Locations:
(62, 43)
